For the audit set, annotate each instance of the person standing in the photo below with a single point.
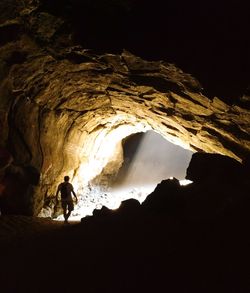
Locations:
(66, 188)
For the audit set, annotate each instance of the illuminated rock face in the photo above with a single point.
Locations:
(65, 110)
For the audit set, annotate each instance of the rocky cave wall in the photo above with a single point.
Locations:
(65, 109)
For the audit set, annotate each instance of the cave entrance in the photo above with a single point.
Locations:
(140, 162)
(148, 159)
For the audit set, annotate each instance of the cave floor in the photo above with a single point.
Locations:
(13, 227)
(125, 254)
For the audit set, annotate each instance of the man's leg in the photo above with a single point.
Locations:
(70, 208)
(64, 207)
(68, 214)
(65, 215)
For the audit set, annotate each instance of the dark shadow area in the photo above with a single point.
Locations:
(17, 183)
(9, 33)
(209, 40)
(181, 239)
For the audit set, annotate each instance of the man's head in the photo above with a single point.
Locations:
(66, 178)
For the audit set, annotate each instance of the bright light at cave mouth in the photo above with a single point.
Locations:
(148, 157)
(112, 199)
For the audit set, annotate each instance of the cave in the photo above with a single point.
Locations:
(68, 118)
(127, 173)
(128, 99)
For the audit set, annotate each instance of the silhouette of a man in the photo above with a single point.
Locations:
(66, 189)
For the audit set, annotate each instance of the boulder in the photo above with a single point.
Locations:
(213, 167)
(165, 198)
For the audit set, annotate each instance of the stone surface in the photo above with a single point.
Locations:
(65, 109)
(214, 167)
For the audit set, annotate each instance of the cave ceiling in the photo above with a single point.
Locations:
(65, 108)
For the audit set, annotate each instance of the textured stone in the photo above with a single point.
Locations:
(65, 109)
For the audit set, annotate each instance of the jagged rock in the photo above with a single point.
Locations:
(66, 109)
(129, 207)
(214, 167)
(220, 186)
(104, 211)
(165, 198)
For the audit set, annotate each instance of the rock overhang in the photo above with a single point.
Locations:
(76, 111)
(64, 106)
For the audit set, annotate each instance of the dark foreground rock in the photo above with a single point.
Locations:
(181, 239)
(205, 167)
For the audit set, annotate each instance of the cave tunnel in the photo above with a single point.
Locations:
(96, 162)
(98, 95)
(134, 166)
(72, 119)
(68, 110)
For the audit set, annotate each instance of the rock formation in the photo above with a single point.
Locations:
(65, 109)
(190, 238)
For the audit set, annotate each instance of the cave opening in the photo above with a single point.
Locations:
(149, 157)
(140, 161)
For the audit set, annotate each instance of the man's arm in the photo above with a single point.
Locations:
(74, 193)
